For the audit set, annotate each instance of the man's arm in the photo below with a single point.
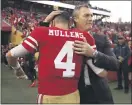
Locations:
(107, 59)
(14, 53)
(12, 56)
(49, 18)
(30, 44)
(84, 48)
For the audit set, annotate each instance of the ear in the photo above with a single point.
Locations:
(75, 19)
(52, 23)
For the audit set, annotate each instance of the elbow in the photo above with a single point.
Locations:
(9, 57)
(8, 54)
(103, 74)
(113, 64)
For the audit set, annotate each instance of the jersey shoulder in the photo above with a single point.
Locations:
(41, 28)
(39, 32)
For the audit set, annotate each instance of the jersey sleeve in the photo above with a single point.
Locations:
(31, 43)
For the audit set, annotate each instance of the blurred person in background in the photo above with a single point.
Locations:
(31, 72)
(130, 62)
(23, 64)
(11, 46)
(114, 36)
(2, 53)
(122, 53)
(5, 50)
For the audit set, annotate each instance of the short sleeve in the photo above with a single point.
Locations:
(31, 43)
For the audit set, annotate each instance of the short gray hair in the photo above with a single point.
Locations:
(77, 8)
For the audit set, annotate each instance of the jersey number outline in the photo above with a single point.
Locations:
(69, 66)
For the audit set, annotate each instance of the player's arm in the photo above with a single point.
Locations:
(49, 18)
(29, 45)
(12, 56)
(14, 53)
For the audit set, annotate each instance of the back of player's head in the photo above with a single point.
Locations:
(64, 17)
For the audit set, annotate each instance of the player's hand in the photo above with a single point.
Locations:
(52, 15)
(83, 48)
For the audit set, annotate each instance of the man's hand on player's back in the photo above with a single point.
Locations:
(83, 48)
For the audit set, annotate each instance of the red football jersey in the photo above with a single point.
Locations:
(59, 67)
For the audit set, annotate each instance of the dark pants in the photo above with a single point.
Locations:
(30, 72)
(126, 80)
(87, 96)
(123, 70)
(25, 68)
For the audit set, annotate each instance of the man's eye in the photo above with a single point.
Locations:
(85, 15)
(88, 15)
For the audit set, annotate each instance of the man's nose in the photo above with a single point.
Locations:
(90, 19)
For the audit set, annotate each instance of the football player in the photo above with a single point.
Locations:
(59, 67)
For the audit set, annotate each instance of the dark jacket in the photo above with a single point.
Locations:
(122, 50)
(107, 60)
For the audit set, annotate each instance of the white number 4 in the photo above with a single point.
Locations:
(69, 66)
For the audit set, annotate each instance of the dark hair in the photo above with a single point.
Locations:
(75, 12)
(63, 17)
(77, 8)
